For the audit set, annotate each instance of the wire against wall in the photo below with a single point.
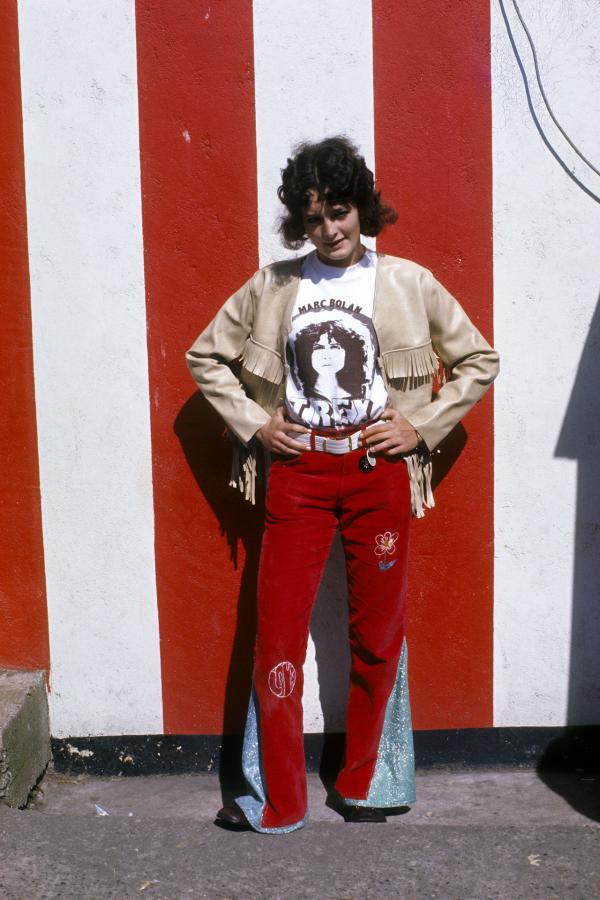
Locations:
(534, 116)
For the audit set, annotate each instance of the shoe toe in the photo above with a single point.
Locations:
(232, 818)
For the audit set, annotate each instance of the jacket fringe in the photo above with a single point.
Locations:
(413, 365)
(442, 375)
(244, 468)
(262, 361)
(419, 473)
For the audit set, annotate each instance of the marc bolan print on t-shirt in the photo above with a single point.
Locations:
(334, 379)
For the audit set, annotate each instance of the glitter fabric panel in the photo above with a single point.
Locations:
(253, 803)
(393, 781)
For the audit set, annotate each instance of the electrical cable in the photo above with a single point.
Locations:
(543, 93)
(536, 121)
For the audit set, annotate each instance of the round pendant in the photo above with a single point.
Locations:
(366, 463)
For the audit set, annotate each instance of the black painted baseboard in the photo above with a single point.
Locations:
(569, 748)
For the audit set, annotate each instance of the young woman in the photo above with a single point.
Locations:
(323, 368)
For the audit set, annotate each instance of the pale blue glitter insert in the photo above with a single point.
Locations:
(393, 781)
(253, 804)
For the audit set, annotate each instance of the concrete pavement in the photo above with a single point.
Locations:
(471, 836)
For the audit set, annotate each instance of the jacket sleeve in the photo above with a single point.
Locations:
(208, 359)
(465, 352)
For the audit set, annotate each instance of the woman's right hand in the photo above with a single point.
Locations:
(277, 435)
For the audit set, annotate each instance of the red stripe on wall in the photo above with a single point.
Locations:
(433, 151)
(23, 614)
(198, 157)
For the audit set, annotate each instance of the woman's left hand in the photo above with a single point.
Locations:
(395, 435)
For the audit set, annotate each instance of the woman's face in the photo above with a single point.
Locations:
(334, 229)
(328, 357)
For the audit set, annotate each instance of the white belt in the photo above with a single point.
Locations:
(334, 444)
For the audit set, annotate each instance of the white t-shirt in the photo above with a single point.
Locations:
(334, 378)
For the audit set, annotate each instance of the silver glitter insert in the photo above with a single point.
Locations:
(393, 781)
(253, 803)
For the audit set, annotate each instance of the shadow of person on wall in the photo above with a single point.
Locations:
(201, 434)
(579, 439)
(578, 750)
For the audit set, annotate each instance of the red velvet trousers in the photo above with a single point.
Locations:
(308, 498)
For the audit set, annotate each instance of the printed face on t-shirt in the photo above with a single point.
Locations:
(330, 360)
(327, 355)
(334, 379)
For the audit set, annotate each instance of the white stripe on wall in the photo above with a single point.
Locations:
(79, 83)
(313, 78)
(313, 67)
(547, 276)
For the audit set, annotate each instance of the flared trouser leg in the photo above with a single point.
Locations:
(375, 524)
(300, 524)
(306, 500)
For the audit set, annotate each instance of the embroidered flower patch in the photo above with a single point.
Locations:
(385, 545)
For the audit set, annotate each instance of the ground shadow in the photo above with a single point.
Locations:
(570, 767)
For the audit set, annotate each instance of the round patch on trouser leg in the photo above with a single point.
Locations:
(282, 679)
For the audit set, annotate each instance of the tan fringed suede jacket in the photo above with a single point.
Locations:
(239, 360)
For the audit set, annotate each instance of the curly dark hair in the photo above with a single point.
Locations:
(334, 168)
(352, 377)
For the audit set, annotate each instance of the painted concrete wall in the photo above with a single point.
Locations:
(547, 284)
(146, 144)
(79, 87)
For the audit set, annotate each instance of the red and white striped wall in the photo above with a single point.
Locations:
(140, 160)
